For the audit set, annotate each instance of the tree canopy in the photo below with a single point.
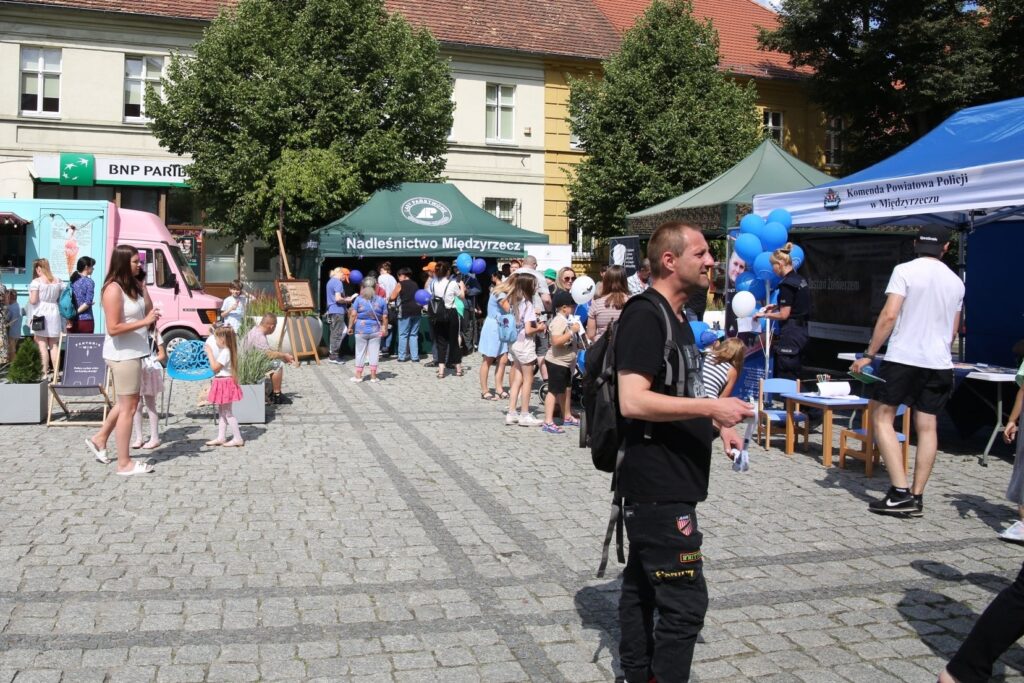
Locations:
(894, 69)
(311, 103)
(663, 119)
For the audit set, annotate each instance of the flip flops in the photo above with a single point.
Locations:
(138, 468)
(100, 455)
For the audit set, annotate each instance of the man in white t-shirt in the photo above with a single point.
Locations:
(920, 319)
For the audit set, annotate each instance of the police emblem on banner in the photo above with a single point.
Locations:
(685, 525)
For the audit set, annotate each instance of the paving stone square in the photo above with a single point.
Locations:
(401, 532)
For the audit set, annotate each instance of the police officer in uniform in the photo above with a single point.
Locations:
(793, 313)
(667, 462)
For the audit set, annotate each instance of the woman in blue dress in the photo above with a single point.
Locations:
(491, 347)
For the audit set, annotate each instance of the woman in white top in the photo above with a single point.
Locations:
(446, 335)
(129, 313)
(44, 295)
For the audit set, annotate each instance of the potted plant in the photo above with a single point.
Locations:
(23, 395)
(253, 367)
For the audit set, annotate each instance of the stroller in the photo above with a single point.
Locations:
(576, 375)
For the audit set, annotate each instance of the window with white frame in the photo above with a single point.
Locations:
(139, 74)
(40, 80)
(773, 124)
(501, 109)
(834, 142)
(583, 246)
(507, 210)
(574, 139)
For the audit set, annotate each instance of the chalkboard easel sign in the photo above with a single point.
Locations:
(294, 295)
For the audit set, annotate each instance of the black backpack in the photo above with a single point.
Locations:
(438, 312)
(603, 427)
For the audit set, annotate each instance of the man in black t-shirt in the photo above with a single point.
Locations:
(667, 463)
(408, 317)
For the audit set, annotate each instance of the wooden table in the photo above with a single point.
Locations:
(827, 406)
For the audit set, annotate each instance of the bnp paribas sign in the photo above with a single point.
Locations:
(83, 170)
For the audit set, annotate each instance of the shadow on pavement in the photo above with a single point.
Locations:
(855, 483)
(598, 610)
(995, 515)
(943, 623)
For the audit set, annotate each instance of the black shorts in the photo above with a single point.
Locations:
(559, 378)
(923, 389)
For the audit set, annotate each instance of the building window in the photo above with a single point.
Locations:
(55, 191)
(574, 139)
(261, 259)
(773, 124)
(140, 73)
(507, 210)
(501, 101)
(141, 199)
(834, 142)
(40, 80)
(583, 246)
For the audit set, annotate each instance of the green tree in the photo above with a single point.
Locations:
(892, 69)
(1006, 24)
(663, 119)
(311, 103)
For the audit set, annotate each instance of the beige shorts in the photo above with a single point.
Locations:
(127, 376)
(524, 352)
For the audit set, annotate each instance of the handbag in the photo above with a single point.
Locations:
(38, 323)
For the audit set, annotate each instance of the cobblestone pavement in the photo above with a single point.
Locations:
(400, 532)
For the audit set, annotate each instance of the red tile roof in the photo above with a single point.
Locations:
(200, 10)
(548, 27)
(589, 29)
(736, 21)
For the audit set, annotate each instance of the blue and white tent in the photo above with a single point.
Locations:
(972, 162)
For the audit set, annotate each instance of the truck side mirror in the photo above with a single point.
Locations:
(174, 283)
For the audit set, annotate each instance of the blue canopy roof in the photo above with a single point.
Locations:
(988, 134)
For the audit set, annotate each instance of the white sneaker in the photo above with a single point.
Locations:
(527, 420)
(353, 378)
(511, 418)
(1014, 534)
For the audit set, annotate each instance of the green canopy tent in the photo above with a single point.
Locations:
(422, 219)
(718, 204)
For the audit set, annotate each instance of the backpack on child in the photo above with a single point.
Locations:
(68, 304)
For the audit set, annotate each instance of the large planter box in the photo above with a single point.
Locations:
(23, 403)
(252, 409)
(315, 325)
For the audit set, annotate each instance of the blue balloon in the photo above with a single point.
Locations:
(781, 216)
(355, 277)
(774, 236)
(752, 224)
(797, 254)
(763, 266)
(422, 297)
(748, 247)
(745, 282)
(699, 328)
(464, 262)
(479, 266)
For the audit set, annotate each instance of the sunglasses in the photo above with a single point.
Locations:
(568, 278)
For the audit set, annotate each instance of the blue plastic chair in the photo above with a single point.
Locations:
(768, 416)
(188, 363)
(868, 451)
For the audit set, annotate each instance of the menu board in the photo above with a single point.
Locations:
(294, 295)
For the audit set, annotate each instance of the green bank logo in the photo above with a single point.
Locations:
(426, 211)
(77, 169)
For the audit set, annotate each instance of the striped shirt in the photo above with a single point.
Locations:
(715, 375)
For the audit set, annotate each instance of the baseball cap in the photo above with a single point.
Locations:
(931, 239)
(431, 266)
(551, 274)
(562, 298)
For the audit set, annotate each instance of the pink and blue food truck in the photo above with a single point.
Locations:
(62, 231)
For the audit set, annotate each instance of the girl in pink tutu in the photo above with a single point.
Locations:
(222, 351)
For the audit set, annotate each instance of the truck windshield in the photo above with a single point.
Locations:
(186, 270)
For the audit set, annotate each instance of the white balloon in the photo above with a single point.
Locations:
(743, 304)
(583, 289)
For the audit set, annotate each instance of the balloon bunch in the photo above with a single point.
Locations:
(758, 238)
(467, 264)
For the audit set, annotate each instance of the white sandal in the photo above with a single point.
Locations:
(101, 456)
(138, 468)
